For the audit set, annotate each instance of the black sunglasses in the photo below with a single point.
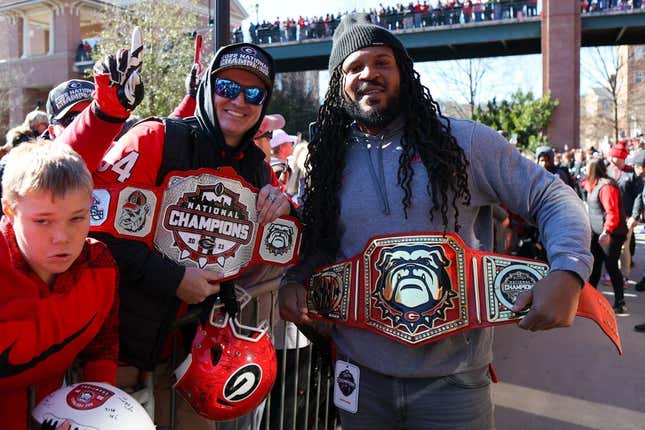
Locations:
(231, 89)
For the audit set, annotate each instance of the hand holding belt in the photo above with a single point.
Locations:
(202, 218)
(421, 287)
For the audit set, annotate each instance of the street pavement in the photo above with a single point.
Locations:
(573, 378)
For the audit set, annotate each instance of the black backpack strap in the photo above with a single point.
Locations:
(180, 138)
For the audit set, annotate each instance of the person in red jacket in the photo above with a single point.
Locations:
(608, 226)
(231, 102)
(58, 296)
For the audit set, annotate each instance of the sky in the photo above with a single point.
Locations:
(502, 77)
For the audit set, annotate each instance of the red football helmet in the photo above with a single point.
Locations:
(92, 406)
(230, 370)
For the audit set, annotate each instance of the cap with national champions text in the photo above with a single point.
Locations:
(66, 95)
(248, 57)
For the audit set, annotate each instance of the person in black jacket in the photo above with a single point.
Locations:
(231, 101)
(630, 186)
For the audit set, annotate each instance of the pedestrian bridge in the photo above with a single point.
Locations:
(474, 40)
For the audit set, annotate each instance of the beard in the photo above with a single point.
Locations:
(378, 118)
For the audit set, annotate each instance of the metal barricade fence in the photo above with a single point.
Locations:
(302, 396)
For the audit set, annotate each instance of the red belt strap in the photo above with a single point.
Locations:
(417, 288)
(203, 218)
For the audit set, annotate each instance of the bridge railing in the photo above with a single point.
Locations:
(406, 20)
(395, 20)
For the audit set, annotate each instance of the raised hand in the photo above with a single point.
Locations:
(119, 87)
(194, 76)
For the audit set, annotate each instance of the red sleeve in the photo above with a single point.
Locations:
(136, 157)
(90, 136)
(186, 108)
(609, 197)
(101, 355)
(51, 330)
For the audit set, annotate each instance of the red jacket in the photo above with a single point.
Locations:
(91, 136)
(45, 328)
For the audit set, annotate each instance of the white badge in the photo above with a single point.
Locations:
(346, 378)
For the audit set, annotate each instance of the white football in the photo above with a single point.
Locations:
(93, 406)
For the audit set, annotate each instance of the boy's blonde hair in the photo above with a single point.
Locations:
(43, 166)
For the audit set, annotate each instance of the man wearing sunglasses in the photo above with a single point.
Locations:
(231, 102)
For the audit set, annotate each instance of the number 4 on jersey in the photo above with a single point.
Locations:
(123, 167)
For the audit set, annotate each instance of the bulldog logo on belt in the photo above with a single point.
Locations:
(209, 225)
(279, 239)
(134, 212)
(413, 287)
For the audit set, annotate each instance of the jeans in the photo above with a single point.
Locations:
(457, 402)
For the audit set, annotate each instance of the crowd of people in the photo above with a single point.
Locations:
(397, 17)
(611, 184)
(382, 162)
(413, 15)
(84, 51)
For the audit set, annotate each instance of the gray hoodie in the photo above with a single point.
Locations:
(497, 173)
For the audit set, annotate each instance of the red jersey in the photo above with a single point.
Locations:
(45, 328)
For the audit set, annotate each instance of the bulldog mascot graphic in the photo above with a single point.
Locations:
(413, 287)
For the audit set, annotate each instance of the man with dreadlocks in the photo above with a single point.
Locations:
(385, 161)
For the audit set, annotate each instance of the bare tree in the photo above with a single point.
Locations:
(607, 70)
(464, 78)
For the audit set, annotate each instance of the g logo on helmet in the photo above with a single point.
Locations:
(228, 372)
(242, 383)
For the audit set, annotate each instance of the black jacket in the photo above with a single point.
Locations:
(148, 280)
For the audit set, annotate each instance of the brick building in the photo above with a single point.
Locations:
(40, 43)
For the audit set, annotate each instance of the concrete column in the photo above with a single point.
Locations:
(67, 29)
(26, 43)
(561, 69)
(52, 32)
(67, 34)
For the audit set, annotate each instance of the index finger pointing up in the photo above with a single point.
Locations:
(136, 50)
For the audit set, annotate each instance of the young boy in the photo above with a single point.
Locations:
(58, 295)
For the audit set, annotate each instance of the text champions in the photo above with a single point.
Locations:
(181, 219)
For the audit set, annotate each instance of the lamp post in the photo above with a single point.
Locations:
(257, 19)
(222, 23)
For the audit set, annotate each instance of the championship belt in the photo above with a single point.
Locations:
(421, 287)
(203, 218)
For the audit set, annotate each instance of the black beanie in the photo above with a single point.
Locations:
(355, 32)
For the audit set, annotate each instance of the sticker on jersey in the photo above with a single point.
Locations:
(135, 212)
(88, 396)
(346, 379)
(413, 288)
(279, 241)
(207, 221)
(99, 207)
(242, 383)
